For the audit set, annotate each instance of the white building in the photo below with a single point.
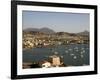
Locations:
(46, 64)
(56, 60)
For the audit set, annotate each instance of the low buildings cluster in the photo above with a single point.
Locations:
(43, 40)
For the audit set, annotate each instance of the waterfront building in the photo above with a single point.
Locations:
(56, 60)
(46, 64)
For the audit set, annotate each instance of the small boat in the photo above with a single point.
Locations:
(71, 54)
(66, 51)
(55, 53)
(83, 51)
(82, 56)
(70, 49)
(76, 48)
(75, 57)
(61, 56)
(82, 48)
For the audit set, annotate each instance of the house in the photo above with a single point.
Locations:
(46, 64)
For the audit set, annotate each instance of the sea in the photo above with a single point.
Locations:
(72, 54)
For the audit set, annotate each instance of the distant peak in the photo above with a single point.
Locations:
(44, 30)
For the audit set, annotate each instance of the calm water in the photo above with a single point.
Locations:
(74, 54)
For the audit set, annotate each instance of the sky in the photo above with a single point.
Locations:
(57, 21)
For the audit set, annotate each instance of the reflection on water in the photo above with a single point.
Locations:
(74, 54)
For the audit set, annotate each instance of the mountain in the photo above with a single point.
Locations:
(43, 30)
(84, 33)
(46, 30)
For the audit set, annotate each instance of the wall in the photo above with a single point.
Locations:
(5, 41)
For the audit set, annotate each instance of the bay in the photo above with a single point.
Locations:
(72, 55)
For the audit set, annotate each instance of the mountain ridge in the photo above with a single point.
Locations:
(50, 31)
(44, 30)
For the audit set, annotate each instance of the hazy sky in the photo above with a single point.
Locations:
(58, 21)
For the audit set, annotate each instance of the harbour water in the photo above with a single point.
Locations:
(72, 55)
